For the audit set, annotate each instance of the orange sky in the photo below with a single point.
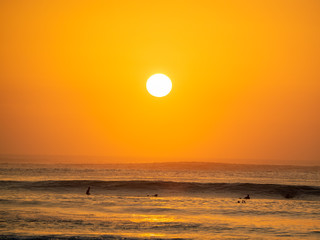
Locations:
(246, 79)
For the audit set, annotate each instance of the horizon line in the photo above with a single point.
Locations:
(70, 159)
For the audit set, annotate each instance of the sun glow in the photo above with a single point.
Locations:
(159, 85)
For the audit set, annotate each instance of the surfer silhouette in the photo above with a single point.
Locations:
(247, 197)
(88, 191)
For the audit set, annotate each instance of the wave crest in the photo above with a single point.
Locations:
(261, 190)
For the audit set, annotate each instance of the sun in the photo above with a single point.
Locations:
(159, 85)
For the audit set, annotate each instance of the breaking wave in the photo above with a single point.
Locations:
(263, 190)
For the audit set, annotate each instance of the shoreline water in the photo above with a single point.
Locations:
(50, 203)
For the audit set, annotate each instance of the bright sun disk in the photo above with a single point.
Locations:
(159, 85)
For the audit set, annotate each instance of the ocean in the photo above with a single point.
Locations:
(159, 201)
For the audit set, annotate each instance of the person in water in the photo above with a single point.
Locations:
(88, 191)
(247, 197)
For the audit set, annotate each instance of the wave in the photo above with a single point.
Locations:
(167, 187)
(62, 237)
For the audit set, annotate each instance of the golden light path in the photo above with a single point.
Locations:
(159, 85)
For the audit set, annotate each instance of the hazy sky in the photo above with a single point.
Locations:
(245, 74)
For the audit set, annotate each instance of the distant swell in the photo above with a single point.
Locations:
(264, 190)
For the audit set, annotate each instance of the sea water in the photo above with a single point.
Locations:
(186, 202)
